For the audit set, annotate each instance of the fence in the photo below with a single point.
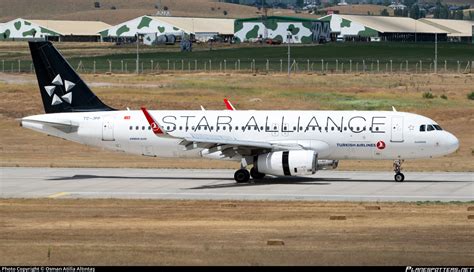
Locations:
(253, 66)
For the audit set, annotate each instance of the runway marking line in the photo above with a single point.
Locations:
(56, 195)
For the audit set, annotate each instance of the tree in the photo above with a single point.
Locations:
(384, 12)
(299, 3)
(415, 12)
(459, 15)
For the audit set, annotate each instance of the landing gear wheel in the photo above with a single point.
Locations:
(242, 175)
(397, 167)
(255, 174)
(399, 177)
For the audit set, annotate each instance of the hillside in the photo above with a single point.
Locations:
(360, 9)
(125, 9)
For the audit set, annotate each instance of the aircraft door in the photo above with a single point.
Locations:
(397, 129)
(108, 131)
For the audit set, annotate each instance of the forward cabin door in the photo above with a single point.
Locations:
(397, 129)
(108, 131)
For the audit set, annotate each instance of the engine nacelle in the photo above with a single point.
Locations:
(287, 163)
(327, 164)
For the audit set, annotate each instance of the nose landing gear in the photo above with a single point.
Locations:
(397, 167)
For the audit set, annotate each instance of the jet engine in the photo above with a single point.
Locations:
(287, 163)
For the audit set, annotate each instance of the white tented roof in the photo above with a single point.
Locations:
(200, 25)
(385, 24)
(455, 28)
(77, 28)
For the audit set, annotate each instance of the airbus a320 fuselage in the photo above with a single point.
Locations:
(277, 143)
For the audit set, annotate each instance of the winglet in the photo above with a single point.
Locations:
(154, 125)
(228, 105)
(393, 108)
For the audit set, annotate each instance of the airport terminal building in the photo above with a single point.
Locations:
(52, 30)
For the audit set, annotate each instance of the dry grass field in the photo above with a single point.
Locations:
(20, 97)
(153, 232)
(125, 10)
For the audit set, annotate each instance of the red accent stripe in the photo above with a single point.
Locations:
(154, 126)
(228, 105)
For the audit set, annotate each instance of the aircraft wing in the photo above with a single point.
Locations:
(229, 146)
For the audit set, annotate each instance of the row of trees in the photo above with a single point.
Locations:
(414, 11)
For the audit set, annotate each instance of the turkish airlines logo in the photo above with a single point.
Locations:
(50, 90)
(155, 128)
(380, 145)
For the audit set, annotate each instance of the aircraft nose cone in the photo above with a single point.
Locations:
(452, 143)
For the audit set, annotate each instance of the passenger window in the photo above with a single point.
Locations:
(236, 128)
(422, 128)
(332, 128)
(430, 128)
(137, 128)
(131, 127)
(223, 127)
(149, 128)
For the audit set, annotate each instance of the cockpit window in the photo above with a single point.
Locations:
(430, 128)
(422, 127)
(437, 127)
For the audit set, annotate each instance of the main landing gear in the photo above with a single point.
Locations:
(397, 167)
(243, 175)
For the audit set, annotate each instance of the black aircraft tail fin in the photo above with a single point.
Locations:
(61, 88)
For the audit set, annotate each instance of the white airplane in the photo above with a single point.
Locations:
(277, 143)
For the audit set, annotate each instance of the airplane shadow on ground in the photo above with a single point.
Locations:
(265, 181)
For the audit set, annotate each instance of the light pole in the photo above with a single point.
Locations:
(288, 37)
(436, 54)
(138, 41)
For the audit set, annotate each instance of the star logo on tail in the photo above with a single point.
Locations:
(66, 87)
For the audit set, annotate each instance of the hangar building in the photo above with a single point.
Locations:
(382, 28)
(458, 30)
(198, 28)
(53, 30)
(276, 27)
